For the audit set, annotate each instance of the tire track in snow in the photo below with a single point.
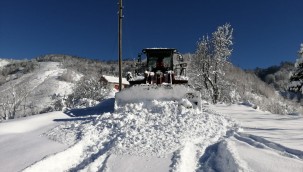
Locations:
(185, 159)
(260, 142)
(78, 156)
(98, 165)
(222, 156)
(188, 158)
(95, 160)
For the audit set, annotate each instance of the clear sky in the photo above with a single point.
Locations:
(266, 32)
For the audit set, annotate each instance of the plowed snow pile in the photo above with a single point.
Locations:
(151, 128)
(159, 128)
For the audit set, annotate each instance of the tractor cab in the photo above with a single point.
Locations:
(159, 59)
(162, 66)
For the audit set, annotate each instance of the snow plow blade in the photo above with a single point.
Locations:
(138, 93)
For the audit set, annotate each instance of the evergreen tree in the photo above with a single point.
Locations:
(296, 79)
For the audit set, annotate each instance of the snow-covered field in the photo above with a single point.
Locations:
(22, 142)
(153, 136)
(265, 141)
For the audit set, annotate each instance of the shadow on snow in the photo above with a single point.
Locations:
(106, 106)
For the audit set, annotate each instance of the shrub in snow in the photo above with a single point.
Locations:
(23, 67)
(275, 104)
(234, 96)
(87, 92)
(58, 104)
(47, 109)
(67, 75)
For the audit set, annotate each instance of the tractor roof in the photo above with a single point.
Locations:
(158, 50)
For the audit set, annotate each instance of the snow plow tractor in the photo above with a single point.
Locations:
(162, 65)
(161, 76)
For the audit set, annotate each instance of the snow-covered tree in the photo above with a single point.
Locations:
(11, 100)
(296, 79)
(86, 90)
(210, 57)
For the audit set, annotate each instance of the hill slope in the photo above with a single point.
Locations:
(277, 76)
(33, 92)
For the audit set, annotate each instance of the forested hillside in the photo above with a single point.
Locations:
(277, 76)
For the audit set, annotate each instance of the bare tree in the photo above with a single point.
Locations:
(12, 99)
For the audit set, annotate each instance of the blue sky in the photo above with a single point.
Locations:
(265, 32)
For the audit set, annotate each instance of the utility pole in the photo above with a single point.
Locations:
(120, 44)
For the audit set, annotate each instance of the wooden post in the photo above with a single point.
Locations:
(120, 44)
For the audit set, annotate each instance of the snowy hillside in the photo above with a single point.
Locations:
(34, 92)
(154, 136)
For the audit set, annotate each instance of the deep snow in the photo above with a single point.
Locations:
(155, 136)
(160, 129)
(267, 142)
(22, 142)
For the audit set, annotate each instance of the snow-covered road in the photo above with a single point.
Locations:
(22, 142)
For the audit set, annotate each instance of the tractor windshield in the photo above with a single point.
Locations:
(159, 59)
(159, 62)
